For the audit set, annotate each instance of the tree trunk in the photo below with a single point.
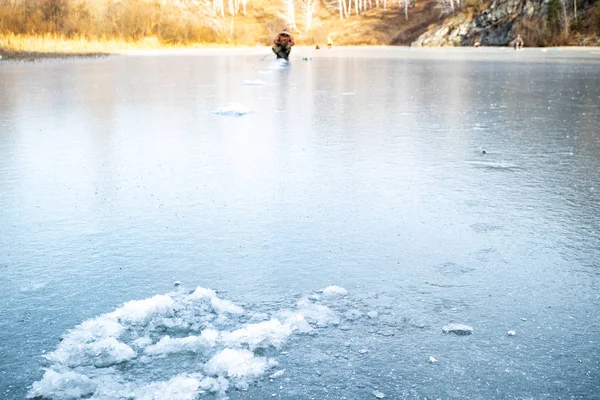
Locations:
(309, 11)
(565, 18)
(290, 14)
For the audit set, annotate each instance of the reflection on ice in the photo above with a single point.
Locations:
(256, 82)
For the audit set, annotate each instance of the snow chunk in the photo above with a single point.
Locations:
(142, 342)
(295, 321)
(191, 344)
(225, 306)
(216, 385)
(94, 329)
(233, 110)
(202, 293)
(263, 334)
(335, 291)
(142, 311)
(148, 336)
(180, 387)
(238, 364)
(459, 329)
(317, 313)
(511, 333)
(101, 353)
(62, 385)
(378, 394)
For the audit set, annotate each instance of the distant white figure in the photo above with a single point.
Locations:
(518, 43)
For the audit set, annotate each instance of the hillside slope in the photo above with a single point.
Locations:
(158, 23)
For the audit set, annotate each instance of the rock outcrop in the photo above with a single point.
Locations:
(492, 27)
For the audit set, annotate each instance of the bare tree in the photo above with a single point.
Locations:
(218, 7)
(291, 15)
(565, 17)
(309, 9)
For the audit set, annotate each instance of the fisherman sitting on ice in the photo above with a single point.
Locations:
(282, 45)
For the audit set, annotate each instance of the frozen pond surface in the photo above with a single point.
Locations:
(267, 183)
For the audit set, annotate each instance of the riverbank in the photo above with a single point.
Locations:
(80, 49)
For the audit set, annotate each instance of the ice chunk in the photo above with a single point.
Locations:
(459, 329)
(142, 342)
(216, 385)
(352, 315)
(334, 291)
(258, 317)
(277, 374)
(180, 387)
(233, 110)
(225, 306)
(262, 334)
(296, 321)
(372, 314)
(202, 293)
(95, 329)
(378, 394)
(432, 359)
(511, 333)
(142, 335)
(256, 82)
(191, 344)
(142, 311)
(317, 313)
(62, 385)
(238, 364)
(101, 353)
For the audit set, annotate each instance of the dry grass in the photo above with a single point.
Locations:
(50, 43)
(32, 47)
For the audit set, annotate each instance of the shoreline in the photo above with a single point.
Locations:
(34, 55)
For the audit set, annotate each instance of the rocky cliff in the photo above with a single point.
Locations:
(499, 24)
